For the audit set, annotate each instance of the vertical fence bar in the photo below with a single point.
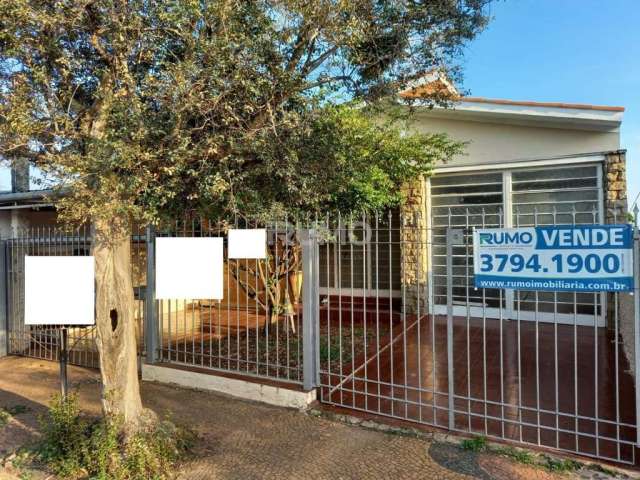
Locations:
(315, 293)
(310, 322)
(450, 372)
(150, 317)
(4, 324)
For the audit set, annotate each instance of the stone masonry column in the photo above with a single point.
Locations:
(616, 211)
(413, 243)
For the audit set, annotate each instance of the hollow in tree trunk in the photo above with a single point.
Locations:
(116, 334)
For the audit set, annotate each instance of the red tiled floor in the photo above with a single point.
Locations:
(408, 379)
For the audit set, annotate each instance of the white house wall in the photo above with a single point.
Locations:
(497, 143)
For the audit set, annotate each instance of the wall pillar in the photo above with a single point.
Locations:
(615, 187)
(616, 211)
(414, 253)
(20, 175)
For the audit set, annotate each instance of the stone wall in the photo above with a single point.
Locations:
(413, 243)
(616, 209)
(615, 187)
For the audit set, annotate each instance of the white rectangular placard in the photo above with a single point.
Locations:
(59, 290)
(189, 267)
(247, 243)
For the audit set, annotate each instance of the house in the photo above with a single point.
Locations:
(525, 163)
(544, 368)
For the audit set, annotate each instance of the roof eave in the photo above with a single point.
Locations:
(528, 113)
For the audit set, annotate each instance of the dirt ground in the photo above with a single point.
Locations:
(245, 440)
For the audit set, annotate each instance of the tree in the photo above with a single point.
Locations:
(351, 160)
(145, 109)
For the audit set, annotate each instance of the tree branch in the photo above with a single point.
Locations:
(314, 64)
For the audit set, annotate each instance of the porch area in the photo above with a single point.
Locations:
(551, 385)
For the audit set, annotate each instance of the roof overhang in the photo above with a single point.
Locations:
(580, 158)
(32, 198)
(549, 115)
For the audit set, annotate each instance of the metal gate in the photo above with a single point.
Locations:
(404, 334)
(39, 341)
(43, 342)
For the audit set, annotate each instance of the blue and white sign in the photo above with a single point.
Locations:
(582, 258)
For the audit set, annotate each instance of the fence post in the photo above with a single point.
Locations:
(309, 309)
(455, 236)
(150, 311)
(4, 317)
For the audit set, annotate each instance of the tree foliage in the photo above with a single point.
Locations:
(141, 109)
(144, 109)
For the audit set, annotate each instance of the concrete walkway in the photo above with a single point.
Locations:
(245, 440)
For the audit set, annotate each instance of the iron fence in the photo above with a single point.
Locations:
(550, 369)
(380, 313)
(42, 341)
(257, 328)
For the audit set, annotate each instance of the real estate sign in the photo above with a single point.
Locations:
(588, 258)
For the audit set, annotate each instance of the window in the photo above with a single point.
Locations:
(511, 198)
(362, 256)
(462, 201)
(556, 196)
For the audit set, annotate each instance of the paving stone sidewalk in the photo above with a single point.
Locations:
(246, 440)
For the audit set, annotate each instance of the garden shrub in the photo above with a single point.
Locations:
(77, 447)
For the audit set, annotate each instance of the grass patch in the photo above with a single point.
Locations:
(77, 447)
(475, 444)
(516, 454)
(599, 468)
(479, 444)
(561, 465)
(4, 417)
(332, 351)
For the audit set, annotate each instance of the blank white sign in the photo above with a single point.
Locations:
(247, 243)
(189, 267)
(59, 291)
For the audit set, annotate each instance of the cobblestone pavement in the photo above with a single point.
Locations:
(246, 440)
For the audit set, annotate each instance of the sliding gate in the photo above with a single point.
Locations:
(404, 334)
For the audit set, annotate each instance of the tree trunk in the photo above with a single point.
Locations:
(116, 337)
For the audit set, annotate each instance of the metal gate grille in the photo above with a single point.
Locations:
(40, 341)
(256, 330)
(37, 341)
(529, 367)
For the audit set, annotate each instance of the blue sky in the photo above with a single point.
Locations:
(579, 51)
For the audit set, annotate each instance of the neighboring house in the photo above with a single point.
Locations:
(24, 205)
